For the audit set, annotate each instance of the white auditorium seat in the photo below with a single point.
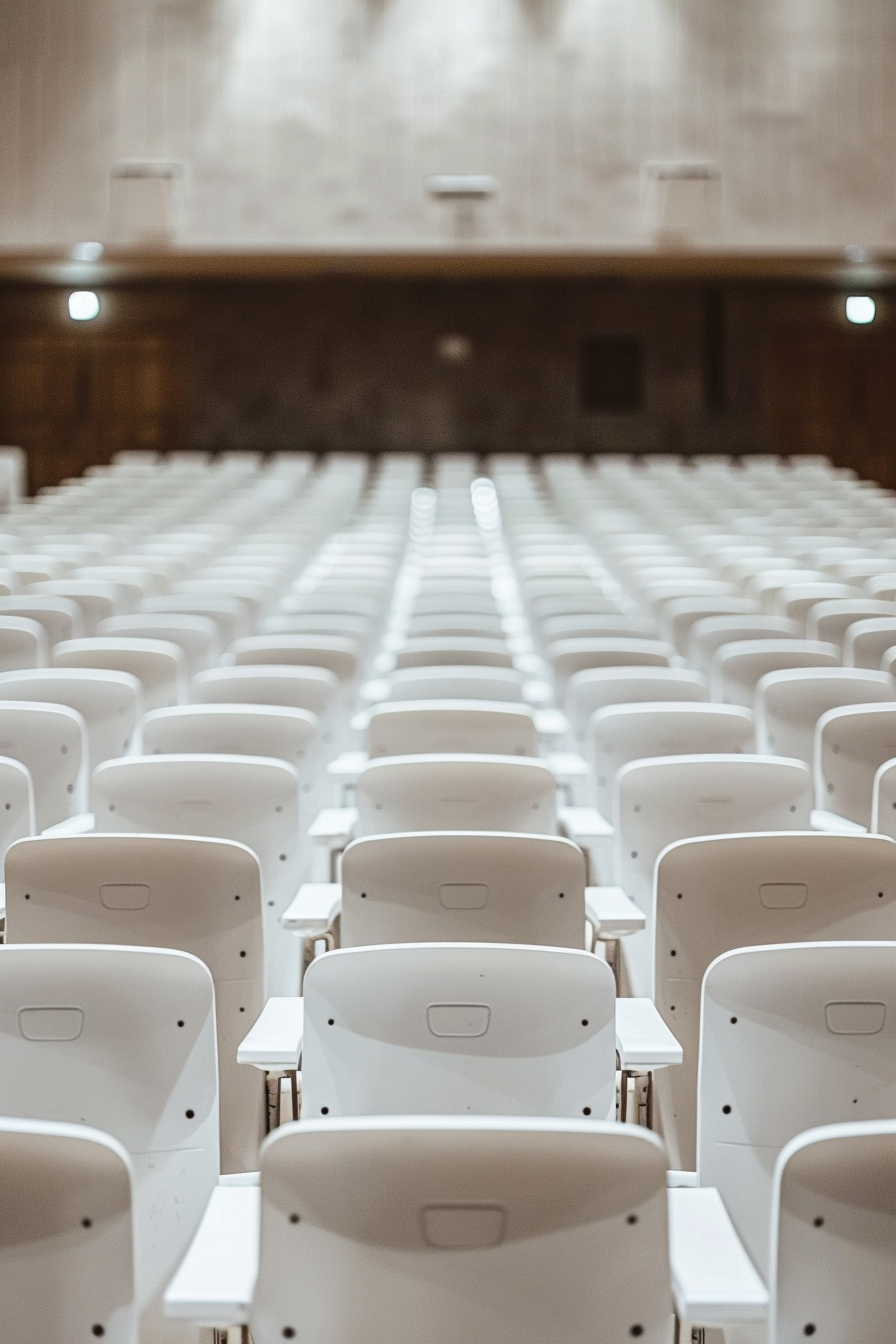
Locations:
(453, 650)
(455, 683)
(159, 665)
(599, 687)
(23, 644)
(456, 791)
(253, 800)
(447, 1192)
(51, 742)
(234, 730)
(851, 744)
(620, 734)
(60, 616)
(335, 654)
(569, 656)
(831, 620)
(736, 668)
(789, 704)
(197, 636)
(67, 1267)
(791, 1037)
(230, 614)
(832, 1230)
(867, 641)
(110, 703)
(711, 632)
(458, 1028)
(199, 895)
(95, 1018)
(716, 893)
(96, 598)
(308, 688)
(656, 802)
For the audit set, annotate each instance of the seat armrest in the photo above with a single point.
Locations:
(216, 1279)
(348, 765)
(333, 825)
(680, 1180)
(77, 825)
(550, 722)
(713, 1279)
(274, 1042)
(537, 692)
(612, 913)
(373, 691)
(567, 765)
(585, 825)
(314, 909)
(820, 820)
(643, 1040)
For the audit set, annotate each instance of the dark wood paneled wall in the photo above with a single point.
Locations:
(361, 364)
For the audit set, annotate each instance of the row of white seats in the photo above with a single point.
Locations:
(451, 1223)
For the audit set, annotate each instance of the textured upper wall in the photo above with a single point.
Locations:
(314, 122)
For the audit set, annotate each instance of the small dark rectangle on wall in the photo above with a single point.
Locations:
(611, 373)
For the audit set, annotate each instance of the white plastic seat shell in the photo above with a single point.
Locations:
(66, 1234)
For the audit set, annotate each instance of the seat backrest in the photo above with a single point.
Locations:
(437, 1029)
(569, 601)
(229, 613)
(882, 586)
(253, 800)
(463, 886)
(710, 633)
(568, 656)
(599, 687)
(23, 643)
(59, 616)
(681, 614)
(198, 895)
(791, 1036)
(456, 683)
(337, 655)
(66, 1234)
(454, 650)
(255, 595)
(319, 623)
(122, 1038)
(404, 728)
(624, 733)
(833, 1229)
(309, 688)
(583, 626)
(51, 742)
(715, 893)
(737, 668)
(790, 703)
(159, 666)
(234, 730)
(95, 598)
(197, 636)
(851, 744)
(402, 1216)
(108, 702)
(831, 620)
(456, 791)
(656, 802)
(866, 642)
